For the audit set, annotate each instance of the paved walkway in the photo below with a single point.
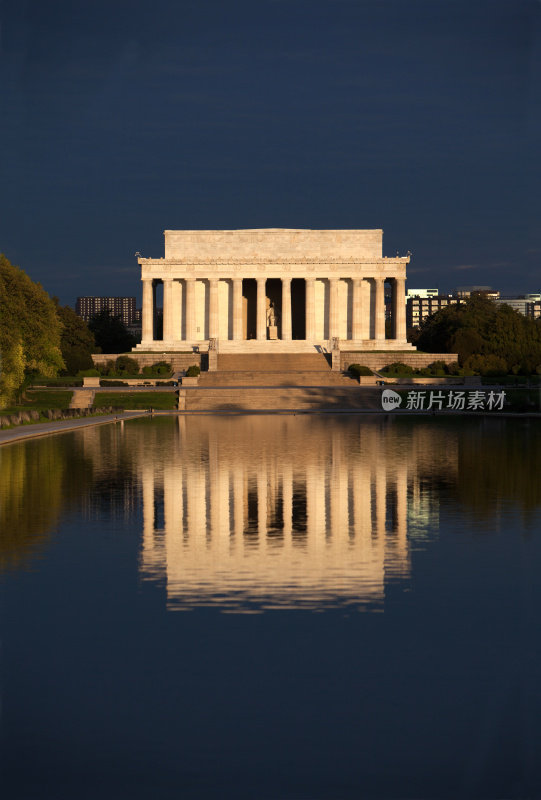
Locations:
(62, 426)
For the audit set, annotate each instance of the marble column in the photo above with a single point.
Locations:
(167, 309)
(310, 309)
(172, 515)
(176, 325)
(261, 329)
(380, 484)
(402, 510)
(148, 311)
(213, 473)
(262, 503)
(333, 307)
(399, 309)
(213, 309)
(356, 326)
(286, 308)
(147, 480)
(338, 524)
(190, 309)
(237, 308)
(361, 501)
(379, 309)
(287, 502)
(238, 504)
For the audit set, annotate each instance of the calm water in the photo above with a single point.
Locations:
(272, 607)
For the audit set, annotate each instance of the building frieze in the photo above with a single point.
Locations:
(400, 261)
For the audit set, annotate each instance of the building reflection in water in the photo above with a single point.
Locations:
(271, 510)
(285, 511)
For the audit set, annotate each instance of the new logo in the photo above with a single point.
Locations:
(390, 400)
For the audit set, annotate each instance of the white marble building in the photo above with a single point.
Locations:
(273, 290)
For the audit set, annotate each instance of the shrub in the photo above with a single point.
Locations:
(127, 365)
(109, 368)
(161, 368)
(486, 364)
(453, 368)
(359, 369)
(437, 369)
(193, 371)
(398, 368)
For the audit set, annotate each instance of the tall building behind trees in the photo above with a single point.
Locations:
(123, 307)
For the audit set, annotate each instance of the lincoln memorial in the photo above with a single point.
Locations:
(273, 290)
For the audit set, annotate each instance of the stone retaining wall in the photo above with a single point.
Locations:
(379, 360)
(7, 420)
(181, 361)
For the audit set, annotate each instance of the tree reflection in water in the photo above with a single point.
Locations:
(39, 481)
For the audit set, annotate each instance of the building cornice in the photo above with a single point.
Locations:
(400, 261)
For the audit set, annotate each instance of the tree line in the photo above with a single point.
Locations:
(489, 338)
(39, 336)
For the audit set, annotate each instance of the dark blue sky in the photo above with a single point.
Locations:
(122, 118)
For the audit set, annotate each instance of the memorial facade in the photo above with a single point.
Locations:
(273, 290)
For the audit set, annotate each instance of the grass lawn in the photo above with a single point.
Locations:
(40, 401)
(46, 399)
(163, 401)
(67, 380)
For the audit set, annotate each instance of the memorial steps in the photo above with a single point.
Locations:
(274, 362)
(296, 399)
(274, 370)
(274, 382)
(275, 378)
(82, 398)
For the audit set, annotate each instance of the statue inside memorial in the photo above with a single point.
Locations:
(272, 322)
(271, 316)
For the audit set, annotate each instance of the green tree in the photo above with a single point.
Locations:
(29, 330)
(76, 341)
(480, 327)
(110, 333)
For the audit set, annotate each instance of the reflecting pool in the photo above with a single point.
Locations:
(272, 607)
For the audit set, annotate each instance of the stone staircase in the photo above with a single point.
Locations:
(246, 378)
(274, 362)
(274, 369)
(82, 398)
(307, 398)
(277, 382)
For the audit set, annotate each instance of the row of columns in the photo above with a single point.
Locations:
(169, 302)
